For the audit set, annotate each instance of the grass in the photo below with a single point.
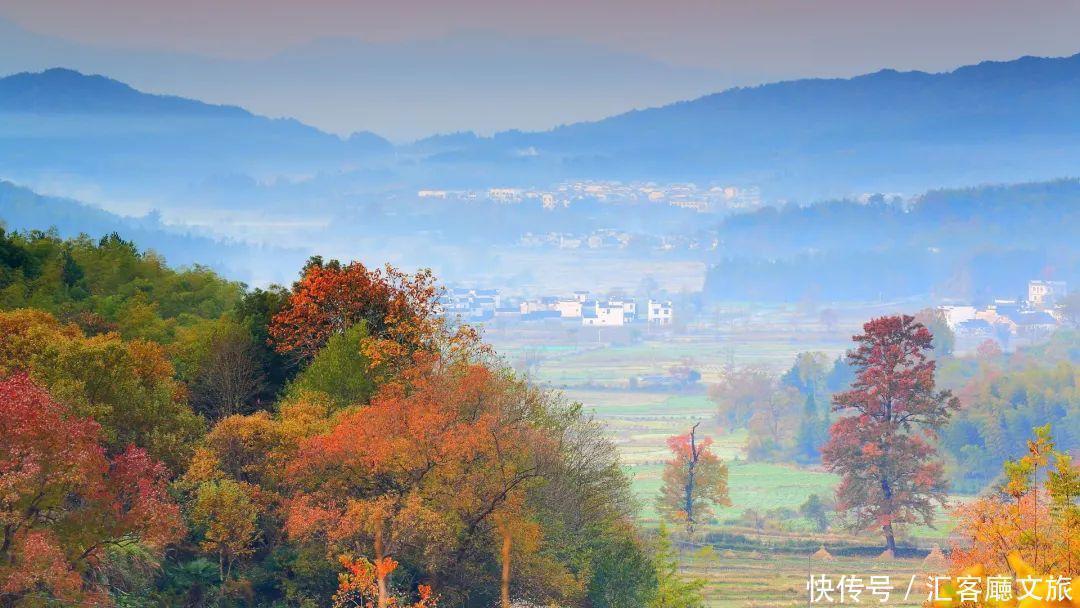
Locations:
(746, 579)
(751, 485)
(756, 571)
(615, 365)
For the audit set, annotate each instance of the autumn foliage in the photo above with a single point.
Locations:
(884, 443)
(63, 502)
(427, 471)
(1032, 515)
(332, 297)
(695, 480)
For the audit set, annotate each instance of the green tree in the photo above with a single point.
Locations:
(816, 510)
(672, 590)
(339, 370)
(225, 514)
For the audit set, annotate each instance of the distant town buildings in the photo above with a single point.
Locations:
(1045, 293)
(713, 199)
(611, 313)
(660, 313)
(470, 304)
(1004, 319)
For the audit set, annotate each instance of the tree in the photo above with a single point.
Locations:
(882, 446)
(229, 375)
(453, 452)
(739, 394)
(65, 503)
(774, 426)
(695, 479)
(226, 515)
(816, 510)
(255, 311)
(127, 387)
(331, 297)
(672, 591)
(359, 585)
(1011, 525)
(340, 370)
(1063, 486)
(944, 340)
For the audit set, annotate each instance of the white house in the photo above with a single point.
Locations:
(1045, 293)
(659, 312)
(569, 309)
(612, 313)
(955, 315)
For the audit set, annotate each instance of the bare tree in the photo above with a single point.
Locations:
(230, 376)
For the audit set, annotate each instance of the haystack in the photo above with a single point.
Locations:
(887, 555)
(823, 554)
(935, 557)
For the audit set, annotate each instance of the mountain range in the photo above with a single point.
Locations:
(104, 142)
(482, 80)
(886, 131)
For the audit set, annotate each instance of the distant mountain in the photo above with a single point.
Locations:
(100, 132)
(893, 132)
(480, 80)
(59, 90)
(995, 121)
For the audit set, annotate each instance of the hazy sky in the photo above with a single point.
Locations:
(814, 36)
(746, 42)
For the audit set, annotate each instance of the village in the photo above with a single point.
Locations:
(702, 199)
(581, 307)
(1010, 321)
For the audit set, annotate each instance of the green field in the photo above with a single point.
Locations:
(763, 569)
(614, 366)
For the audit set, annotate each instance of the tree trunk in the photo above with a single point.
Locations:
(690, 483)
(506, 545)
(384, 599)
(887, 529)
(890, 538)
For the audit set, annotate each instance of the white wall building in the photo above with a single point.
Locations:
(612, 313)
(1045, 293)
(955, 315)
(569, 309)
(659, 312)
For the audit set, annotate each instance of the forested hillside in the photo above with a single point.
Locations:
(22, 210)
(977, 243)
(174, 439)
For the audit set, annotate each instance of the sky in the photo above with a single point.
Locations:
(746, 42)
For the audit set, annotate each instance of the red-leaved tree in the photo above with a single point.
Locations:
(882, 446)
(331, 297)
(63, 502)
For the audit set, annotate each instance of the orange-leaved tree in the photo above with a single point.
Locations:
(331, 297)
(695, 480)
(64, 502)
(1014, 520)
(883, 445)
(358, 585)
(428, 468)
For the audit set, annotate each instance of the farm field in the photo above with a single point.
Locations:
(762, 569)
(742, 579)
